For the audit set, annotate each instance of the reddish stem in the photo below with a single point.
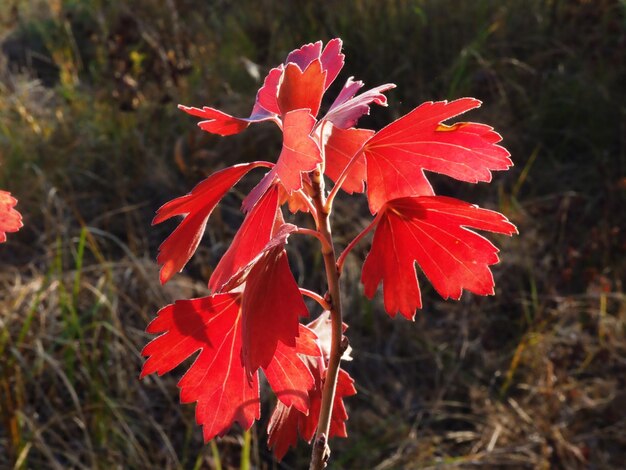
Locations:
(342, 258)
(315, 296)
(321, 451)
(312, 233)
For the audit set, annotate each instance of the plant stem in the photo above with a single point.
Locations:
(321, 451)
(357, 239)
(315, 296)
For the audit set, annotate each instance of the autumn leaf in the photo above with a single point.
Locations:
(10, 219)
(287, 373)
(251, 323)
(265, 109)
(288, 422)
(399, 153)
(271, 294)
(347, 108)
(195, 207)
(341, 146)
(432, 231)
(299, 154)
(302, 89)
(217, 380)
(266, 98)
(299, 83)
(218, 122)
(249, 241)
(330, 58)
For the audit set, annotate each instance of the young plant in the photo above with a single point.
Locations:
(252, 319)
(10, 219)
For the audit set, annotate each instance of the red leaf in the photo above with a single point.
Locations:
(430, 230)
(331, 58)
(295, 201)
(305, 54)
(266, 97)
(289, 376)
(249, 241)
(300, 154)
(195, 207)
(282, 430)
(302, 88)
(287, 422)
(217, 122)
(348, 109)
(398, 155)
(271, 295)
(309, 71)
(279, 238)
(341, 146)
(216, 380)
(10, 219)
(265, 109)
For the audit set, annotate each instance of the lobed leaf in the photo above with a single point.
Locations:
(218, 122)
(195, 207)
(10, 219)
(302, 88)
(331, 58)
(399, 153)
(287, 422)
(347, 109)
(216, 380)
(249, 241)
(271, 294)
(431, 230)
(300, 154)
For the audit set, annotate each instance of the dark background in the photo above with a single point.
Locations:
(92, 144)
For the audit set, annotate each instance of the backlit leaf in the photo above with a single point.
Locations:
(195, 207)
(271, 297)
(10, 219)
(431, 230)
(341, 146)
(249, 241)
(216, 380)
(398, 155)
(331, 58)
(299, 154)
(287, 422)
(289, 376)
(302, 89)
(347, 109)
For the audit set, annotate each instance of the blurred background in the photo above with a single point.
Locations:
(92, 144)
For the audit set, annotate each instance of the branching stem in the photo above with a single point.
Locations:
(309, 204)
(342, 258)
(313, 233)
(315, 296)
(321, 451)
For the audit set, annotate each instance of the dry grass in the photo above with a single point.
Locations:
(91, 143)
